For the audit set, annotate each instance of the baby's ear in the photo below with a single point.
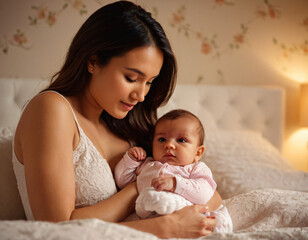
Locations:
(199, 153)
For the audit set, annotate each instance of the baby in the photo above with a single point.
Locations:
(174, 177)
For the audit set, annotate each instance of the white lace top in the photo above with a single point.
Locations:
(94, 181)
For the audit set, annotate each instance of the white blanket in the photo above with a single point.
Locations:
(160, 202)
(260, 214)
(151, 202)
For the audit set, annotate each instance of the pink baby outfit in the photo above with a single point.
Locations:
(194, 185)
(194, 182)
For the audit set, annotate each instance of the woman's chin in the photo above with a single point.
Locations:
(120, 115)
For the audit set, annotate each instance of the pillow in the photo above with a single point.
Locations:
(10, 202)
(242, 161)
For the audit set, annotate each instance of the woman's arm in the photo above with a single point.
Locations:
(44, 144)
(185, 223)
(113, 209)
(45, 141)
(214, 202)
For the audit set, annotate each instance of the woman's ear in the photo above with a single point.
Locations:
(199, 153)
(92, 62)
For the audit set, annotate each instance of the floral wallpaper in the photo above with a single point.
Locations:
(181, 22)
(256, 42)
(209, 44)
(41, 14)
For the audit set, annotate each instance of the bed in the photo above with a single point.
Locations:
(265, 196)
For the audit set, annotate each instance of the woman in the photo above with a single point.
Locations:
(119, 69)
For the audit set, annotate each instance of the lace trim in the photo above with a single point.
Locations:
(94, 180)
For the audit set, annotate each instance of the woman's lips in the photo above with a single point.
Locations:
(127, 106)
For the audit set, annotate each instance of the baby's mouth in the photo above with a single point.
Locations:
(169, 155)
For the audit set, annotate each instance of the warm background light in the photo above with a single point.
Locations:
(296, 146)
(298, 75)
(304, 105)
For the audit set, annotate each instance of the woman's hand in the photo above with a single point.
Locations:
(191, 223)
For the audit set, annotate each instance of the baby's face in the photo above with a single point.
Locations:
(176, 142)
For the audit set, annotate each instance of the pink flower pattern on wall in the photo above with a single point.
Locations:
(209, 44)
(304, 23)
(239, 38)
(42, 14)
(287, 50)
(269, 11)
(18, 39)
(223, 2)
(50, 16)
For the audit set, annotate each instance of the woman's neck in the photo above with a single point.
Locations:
(87, 107)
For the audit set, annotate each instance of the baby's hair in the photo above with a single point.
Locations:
(178, 113)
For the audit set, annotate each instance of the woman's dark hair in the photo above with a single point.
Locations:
(111, 31)
(178, 113)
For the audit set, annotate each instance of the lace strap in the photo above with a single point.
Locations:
(79, 128)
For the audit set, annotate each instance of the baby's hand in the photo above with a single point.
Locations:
(137, 153)
(164, 183)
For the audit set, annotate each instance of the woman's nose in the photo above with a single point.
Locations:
(139, 93)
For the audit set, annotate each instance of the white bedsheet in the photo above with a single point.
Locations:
(260, 214)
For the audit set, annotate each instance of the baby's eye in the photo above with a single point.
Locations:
(161, 139)
(182, 140)
(149, 83)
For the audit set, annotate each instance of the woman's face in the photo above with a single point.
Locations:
(124, 81)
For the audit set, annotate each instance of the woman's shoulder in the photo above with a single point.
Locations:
(47, 107)
(49, 104)
(49, 99)
(46, 120)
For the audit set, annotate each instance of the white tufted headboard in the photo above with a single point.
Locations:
(234, 107)
(13, 95)
(228, 107)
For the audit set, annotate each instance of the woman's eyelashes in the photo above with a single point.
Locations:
(149, 83)
(129, 79)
